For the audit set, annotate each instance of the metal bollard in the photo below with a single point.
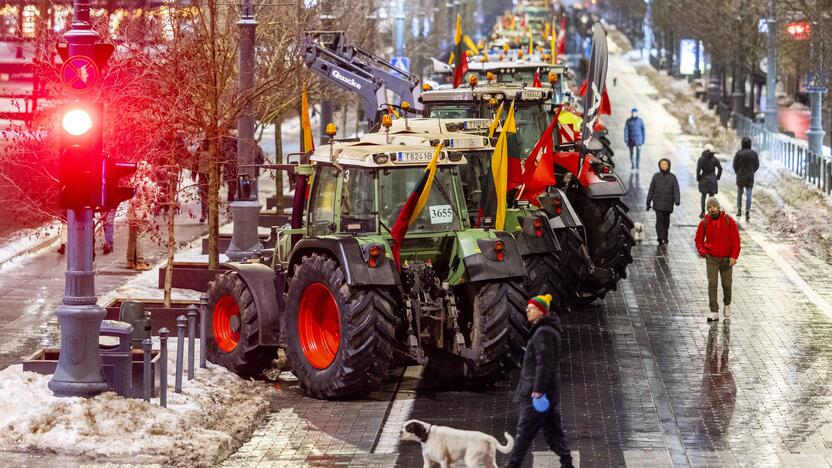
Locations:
(163, 367)
(147, 348)
(181, 322)
(191, 337)
(203, 330)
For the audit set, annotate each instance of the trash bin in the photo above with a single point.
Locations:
(133, 312)
(119, 357)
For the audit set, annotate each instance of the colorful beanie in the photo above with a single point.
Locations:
(542, 302)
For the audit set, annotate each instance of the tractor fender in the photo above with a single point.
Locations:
(267, 287)
(482, 266)
(528, 242)
(350, 254)
(568, 217)
(594, 185)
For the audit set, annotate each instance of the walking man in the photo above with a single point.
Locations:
(538, 391)
(634, 136)
(663, 194)
(746, 163)
(708, 173)
(718, 241)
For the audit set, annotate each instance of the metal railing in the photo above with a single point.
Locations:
(794, 154)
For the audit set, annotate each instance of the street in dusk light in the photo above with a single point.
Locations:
(528, 233)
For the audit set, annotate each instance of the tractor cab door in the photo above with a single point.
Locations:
(322, 201)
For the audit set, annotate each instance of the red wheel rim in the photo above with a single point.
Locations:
(226, 323)
(319, 326)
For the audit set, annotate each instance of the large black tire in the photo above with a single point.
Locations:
(485, 310)
(609, 240)
(229, 296)
(573, 263)
(518, 324)
(546, 278)
(366, 335)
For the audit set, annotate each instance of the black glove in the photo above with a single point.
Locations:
(648, 207)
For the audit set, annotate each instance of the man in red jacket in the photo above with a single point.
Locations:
(718, 240)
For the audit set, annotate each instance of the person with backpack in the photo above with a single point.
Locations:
(718, 241)
(746, 164)
(663, 195)
(708, 173)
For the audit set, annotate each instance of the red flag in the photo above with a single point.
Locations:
(536, 83)
(562, 36)
(538, 171)
(582, 91)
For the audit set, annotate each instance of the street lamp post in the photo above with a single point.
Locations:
(771, 69)
(399, 49)
(245, 208)
(79, 372)
(816, 86)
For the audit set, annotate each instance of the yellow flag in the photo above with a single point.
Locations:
(451, 59)
(305, 123)
(553, 54)
(531, 44)
(496, 122)
(471, 45)
(499, 169)
(458, 33)
(431, 174)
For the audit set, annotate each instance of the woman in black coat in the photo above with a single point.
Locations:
(663, 195)
(708, 173)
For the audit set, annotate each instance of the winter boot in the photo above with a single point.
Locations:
(713, 317)
(739, 213)
(747, 216)
(62, 249)
(107, 248)
(726, 311)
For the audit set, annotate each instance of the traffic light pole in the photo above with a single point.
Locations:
(79, 372)
(245, 208)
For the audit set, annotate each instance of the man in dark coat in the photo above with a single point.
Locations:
(708, 173)
(634, 136)
(539, 379)
(746, 163)
(663, 194)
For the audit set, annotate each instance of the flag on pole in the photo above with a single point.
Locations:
(413, 206)
(561, 49)
(471, 45)
(536, 83)
(554, 47)
(499, 169)
(531, 43)
(305, 123)
(539, 168)
(606, 106)
(461, 59)
(496, 122)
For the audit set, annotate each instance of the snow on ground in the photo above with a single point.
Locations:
(790, 206)
(22, 244)
(215, 413)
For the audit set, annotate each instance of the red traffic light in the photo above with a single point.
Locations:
(799, 30)
(76, 122)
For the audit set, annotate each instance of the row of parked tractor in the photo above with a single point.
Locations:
(348, 297)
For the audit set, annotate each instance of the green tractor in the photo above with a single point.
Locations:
(593, 191)
(331, 294)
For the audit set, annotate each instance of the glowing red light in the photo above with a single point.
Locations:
(799, 30)
(77, 122)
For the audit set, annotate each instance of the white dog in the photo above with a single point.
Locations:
(446, 445)
(638, 233)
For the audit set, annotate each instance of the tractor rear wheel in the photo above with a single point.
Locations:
(485, 309)
(234, 329)
(609, 239)
(339, 338)
(572, 266)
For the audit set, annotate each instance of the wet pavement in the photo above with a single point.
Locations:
(645, 380)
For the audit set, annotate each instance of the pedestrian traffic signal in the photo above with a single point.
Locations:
(81, 161)
(114, 194)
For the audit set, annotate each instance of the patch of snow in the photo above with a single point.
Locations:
(26, 242)
(215, 413)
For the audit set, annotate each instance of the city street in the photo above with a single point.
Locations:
(646, 381)
(409, 254)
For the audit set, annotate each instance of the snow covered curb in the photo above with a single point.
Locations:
(27, 242)
(215, 413)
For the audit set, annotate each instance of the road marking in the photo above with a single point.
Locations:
(400, 410)
(784, 266)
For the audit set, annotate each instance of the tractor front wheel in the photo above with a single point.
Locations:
(234, 329)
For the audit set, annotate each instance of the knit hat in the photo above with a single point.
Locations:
(541, 302)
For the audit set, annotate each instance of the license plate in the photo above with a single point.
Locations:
(441, 214)
(402, 156)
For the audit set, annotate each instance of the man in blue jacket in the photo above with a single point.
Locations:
(634, 136)
(540, 380)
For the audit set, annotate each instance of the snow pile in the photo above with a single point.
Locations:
(215, 413)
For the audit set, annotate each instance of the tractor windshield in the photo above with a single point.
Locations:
(531, 123)
(453, 111)
(441, 212)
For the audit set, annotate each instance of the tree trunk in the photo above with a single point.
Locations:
(213, 201)
(170, 217)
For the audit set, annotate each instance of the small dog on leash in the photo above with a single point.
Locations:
(638, 233)
(446, 445)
